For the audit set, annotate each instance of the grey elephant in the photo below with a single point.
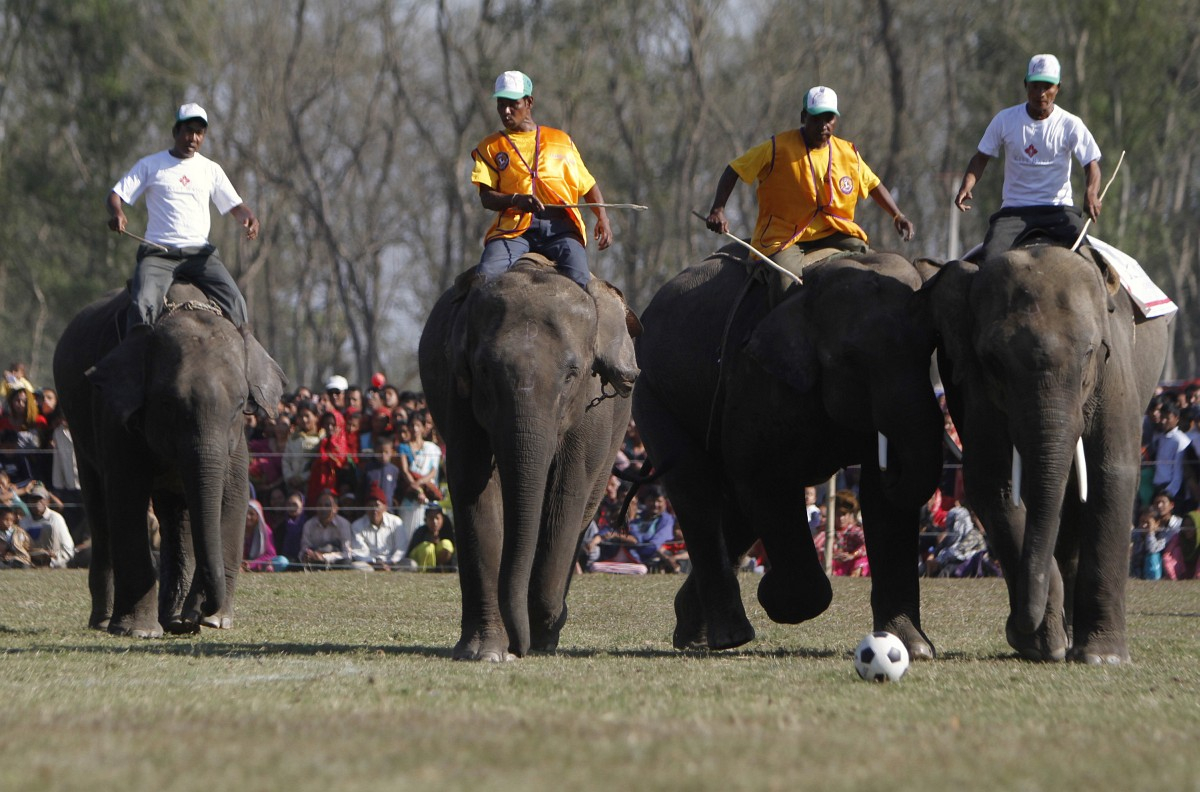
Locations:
(740, 407)
(161, 417)
(509, 369)
(1047, 365)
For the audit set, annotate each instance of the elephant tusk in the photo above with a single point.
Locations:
(1081, 471)
(883, 449)
(1016, 477)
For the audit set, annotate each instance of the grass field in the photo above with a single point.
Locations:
(342, 681)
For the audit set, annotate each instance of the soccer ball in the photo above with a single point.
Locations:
(881, 657)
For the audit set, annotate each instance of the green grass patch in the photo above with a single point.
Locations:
(343, 681)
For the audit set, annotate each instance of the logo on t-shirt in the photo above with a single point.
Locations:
(1031, 150)
(184, 180)
(846, 185)
(501, 160)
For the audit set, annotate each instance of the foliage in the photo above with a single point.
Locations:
(348, 125)
(343, 680)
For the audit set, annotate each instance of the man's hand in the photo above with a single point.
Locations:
(529, 204)
(1092, 202)
(603, 232)
(118, 222)
(716, 221)
(964, 195)
(904, 227)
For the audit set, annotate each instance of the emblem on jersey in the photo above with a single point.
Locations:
(1031, 150)
(185, 181)
(846, 185)
(501, 160)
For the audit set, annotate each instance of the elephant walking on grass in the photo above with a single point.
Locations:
(161, 418)
(740, 407)
(1042, 353)
(531, 434)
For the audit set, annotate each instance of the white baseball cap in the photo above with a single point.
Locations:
(513, 85)
(821, 100)
(189, 111)
(1043, 68)
(338, 383)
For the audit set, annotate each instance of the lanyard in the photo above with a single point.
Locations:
(537, 147)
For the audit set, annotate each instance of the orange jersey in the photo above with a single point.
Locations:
(804, 194)
(544, 163)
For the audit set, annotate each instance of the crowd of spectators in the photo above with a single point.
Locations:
(347, 477)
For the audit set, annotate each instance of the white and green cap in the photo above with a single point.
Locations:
(513, 85)
(189, 111)
(821, 100)
(1043, 68)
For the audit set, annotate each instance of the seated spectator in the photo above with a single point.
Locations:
(1182, 552)
(652, 528)
(432, 545)
(379, 540)
(65, 476)
(1163, 506)
(259, 549)
(14, 541)
(674, 553)
(849, 543)
(932, 522)
(963, 550)
(16, 464)
(589, 546)
(326, 537)
(52, 543)
(1145, 559)
(422, 474)
(10, 494)
(289, 531)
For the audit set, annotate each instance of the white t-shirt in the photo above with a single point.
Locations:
(177, 195)
(1037, 154)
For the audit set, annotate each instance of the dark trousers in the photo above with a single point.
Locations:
(555, 238)
(202, 266)
(1062, 224)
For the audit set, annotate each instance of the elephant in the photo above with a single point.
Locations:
(1041, 353)
(741, 405)
(510, 366)
(159, 416)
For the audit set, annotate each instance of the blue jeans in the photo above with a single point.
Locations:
(557, 239)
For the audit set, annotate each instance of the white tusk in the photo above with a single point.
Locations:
(883, 444)
(1081, 471)
(1016, 477)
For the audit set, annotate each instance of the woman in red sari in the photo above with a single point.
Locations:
(333, 454)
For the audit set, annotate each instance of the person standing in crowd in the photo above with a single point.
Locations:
(52, 542)
(809, 183)
(532, 176)
(1038, 139)
(178, 184)
(326, 537)
(1169, 446)
(301, 447)
(381, 472)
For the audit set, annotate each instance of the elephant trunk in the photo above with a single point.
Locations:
(523, 455)
(205, 481)
(1046, 464)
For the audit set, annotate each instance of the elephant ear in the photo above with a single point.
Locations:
(264, 377)
(120, 376)
(457, 345)
(616, 326)
(948, 293)
(784, 347)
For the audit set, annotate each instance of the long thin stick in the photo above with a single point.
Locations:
(781, 270)
(163, 248)
(1083, 233)
(634, 207)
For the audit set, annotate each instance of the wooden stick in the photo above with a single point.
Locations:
(634, 207)
(163, 248)
(1083, 233)
(781, 270)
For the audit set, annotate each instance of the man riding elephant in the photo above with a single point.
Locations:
(809, 183)
(532, 176)
(1038, 139)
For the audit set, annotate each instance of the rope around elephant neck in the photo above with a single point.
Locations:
(190, 305)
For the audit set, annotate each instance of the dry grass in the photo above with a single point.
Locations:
(342, 681)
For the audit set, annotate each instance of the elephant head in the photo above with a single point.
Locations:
(1038, 348)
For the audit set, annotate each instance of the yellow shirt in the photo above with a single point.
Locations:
(804, 195)
(543, 162)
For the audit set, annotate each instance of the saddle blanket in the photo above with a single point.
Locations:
(1150, 299)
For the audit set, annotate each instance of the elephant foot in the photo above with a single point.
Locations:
(546, 639)
(1046, 645)
(178, 625)
(918, 644)
(135, 628)
(488, 648)
(99, 621)
(728, 627)
(218, 621)
(1097, 651)
(793, 600)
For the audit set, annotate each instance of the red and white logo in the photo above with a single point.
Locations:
(846, 185)
(185, 181)
(1031, 150)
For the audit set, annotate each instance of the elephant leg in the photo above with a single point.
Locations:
(988, 489)
(1098, 595)
(891, 532)
(135, 607)
(795, 588)
(691, 632)
(176, 566)
(100, 578)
